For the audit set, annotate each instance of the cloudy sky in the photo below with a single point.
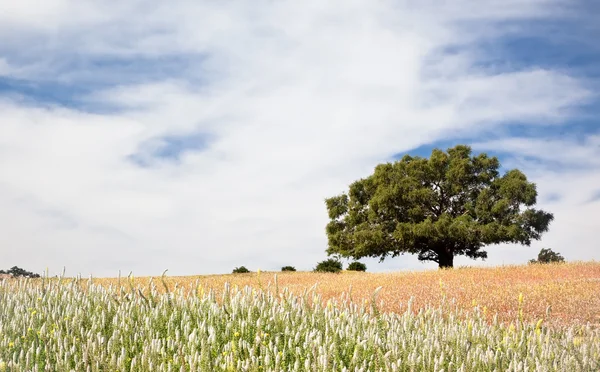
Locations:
(198, 136)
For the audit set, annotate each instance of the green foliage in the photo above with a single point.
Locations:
(357, 266)
(288, 268)
(450, 204)
(17, 272)
(329, 266)
(240, 270)
(546, 255)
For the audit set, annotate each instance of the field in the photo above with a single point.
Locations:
(534, 318)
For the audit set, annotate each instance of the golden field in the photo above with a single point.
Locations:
(570, 291)
(476, 319)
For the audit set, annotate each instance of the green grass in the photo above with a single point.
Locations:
(60, 326)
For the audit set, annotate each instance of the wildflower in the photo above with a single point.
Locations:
(237, 334)
(538, 326)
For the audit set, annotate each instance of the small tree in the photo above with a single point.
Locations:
(240, 270)
(329, 266)
(17, 272)
(288, 268)
(357, 266)
(546, 255)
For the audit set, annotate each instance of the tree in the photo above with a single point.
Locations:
(240, 270)
(450, 204)
(328, 266)
(546, 255)
(17, 272)
(357, 266)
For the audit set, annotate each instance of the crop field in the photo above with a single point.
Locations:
(515, 318)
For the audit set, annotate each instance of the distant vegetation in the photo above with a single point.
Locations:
(17, 272)
(546, 255)
(357, 266)
(240, 270)
(288, 268)
(329, 266)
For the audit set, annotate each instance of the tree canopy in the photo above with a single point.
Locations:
(547, 255)
(17, 272)
(450, 204)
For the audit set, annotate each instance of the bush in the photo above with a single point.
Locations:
(357, 266)
(18, 272)
(240, 270)
(288, 268)
(546, 255)
(329, 266)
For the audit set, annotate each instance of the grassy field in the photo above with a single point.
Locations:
(570, 290)
(534, 318)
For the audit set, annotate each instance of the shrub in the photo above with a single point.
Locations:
(546, 255)
(357, 266)
(240, 270)
(329, 266)
(288, 268)
(17, 272)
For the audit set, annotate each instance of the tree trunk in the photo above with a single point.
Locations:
(446, 259)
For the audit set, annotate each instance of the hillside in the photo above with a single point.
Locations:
(569, 291)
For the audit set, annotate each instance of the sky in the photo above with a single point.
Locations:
(199, 136)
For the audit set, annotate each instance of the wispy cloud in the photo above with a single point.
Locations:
(201, 136)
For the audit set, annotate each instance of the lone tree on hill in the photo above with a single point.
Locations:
(450, 204)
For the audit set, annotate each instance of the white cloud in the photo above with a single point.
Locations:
(298, 99)
(5, 68)
(566, 151)
(570, 191)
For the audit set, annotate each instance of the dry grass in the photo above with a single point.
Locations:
(572, 290)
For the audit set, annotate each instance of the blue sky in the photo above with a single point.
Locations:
(560, 43)
(203, 136)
